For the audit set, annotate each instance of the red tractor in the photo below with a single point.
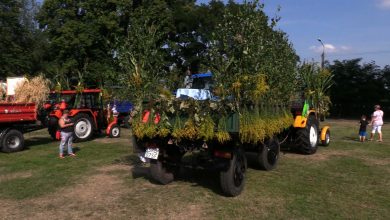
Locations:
(86, 110)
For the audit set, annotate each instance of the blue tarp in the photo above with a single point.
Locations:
(122, 106)
(201, 75)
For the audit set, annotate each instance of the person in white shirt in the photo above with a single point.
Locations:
(377, 122)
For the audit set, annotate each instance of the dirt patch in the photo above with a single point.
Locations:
(108, 140)
(12, 176)
(376, 161)
(104, 195)
(319, 155)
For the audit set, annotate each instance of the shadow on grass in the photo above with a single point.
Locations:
(36, 141)
(350, 138)
(196, 177)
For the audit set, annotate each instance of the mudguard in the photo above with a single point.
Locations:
(323, 133)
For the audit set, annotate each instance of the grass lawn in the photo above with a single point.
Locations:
(348, 179)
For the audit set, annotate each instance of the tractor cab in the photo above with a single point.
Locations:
(199, 88)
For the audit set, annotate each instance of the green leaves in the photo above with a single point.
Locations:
(316, 82)
(246, 44)
(141, 54)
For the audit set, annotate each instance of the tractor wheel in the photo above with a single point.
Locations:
(159, 172)
(307, 138)
(52, 131)
(12, 141)
(326, 142)
(126, 122)
(233, 179)
(268, 155)
(52, 127)
(83, 128)
(115, 131)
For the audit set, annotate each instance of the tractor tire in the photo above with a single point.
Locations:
(326, 142)
(52, 127)
(83, 128)
(159, 173)
(52, 132)
(12, 141)
(232, 180)
(126, 122)
(307, 138)
(115, 131)
(268, 154)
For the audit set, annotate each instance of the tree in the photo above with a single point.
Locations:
(358, 87)
(142, 55)
(17, 37)
(81, 37)
(247, 51)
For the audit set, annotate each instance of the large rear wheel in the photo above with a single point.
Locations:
(52, 126)
(159, 172)
(83, 128)
(233, 179)
(307, 138)
(268, 154)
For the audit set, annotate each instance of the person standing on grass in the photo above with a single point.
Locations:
(66, 127)
(363, 128)
(377, 122)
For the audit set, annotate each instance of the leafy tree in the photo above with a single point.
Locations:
(17, 37)
(142, 54)
(358, 87)
(81, 36)
(247, 50)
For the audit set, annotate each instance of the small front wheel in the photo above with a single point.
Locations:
(326, 141)
(233, 179)
(115, 131)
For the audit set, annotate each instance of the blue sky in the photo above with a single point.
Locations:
(348, 28)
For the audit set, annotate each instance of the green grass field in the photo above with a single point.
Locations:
(347, 180)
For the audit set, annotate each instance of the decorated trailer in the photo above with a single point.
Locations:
(217, 134)
(15, 120)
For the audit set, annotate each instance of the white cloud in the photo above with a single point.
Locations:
(385, 4)
(330, 48)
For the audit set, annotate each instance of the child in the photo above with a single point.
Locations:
(363, 128)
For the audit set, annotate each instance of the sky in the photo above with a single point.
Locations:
(348, 28)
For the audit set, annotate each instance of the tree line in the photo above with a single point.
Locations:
(125, 42)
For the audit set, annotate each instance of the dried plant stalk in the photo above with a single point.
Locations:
(35, 90)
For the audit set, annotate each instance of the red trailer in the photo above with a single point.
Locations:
(16, 119)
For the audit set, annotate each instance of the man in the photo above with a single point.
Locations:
(66, 127)
(188, 80)
(377, 122)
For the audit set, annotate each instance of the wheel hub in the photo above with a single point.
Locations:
(83, 129)
(115, 132)
(13, 142)
(313, 136)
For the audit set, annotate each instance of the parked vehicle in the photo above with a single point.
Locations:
(15, 120)
(164, 146)
(123, 109)
(86, 110)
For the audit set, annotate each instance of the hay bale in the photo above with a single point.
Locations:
(35, 90)
(3, 93)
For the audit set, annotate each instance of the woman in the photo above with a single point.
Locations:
(377, 122)
(66, 127)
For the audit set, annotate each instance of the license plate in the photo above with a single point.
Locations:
(152, 153)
